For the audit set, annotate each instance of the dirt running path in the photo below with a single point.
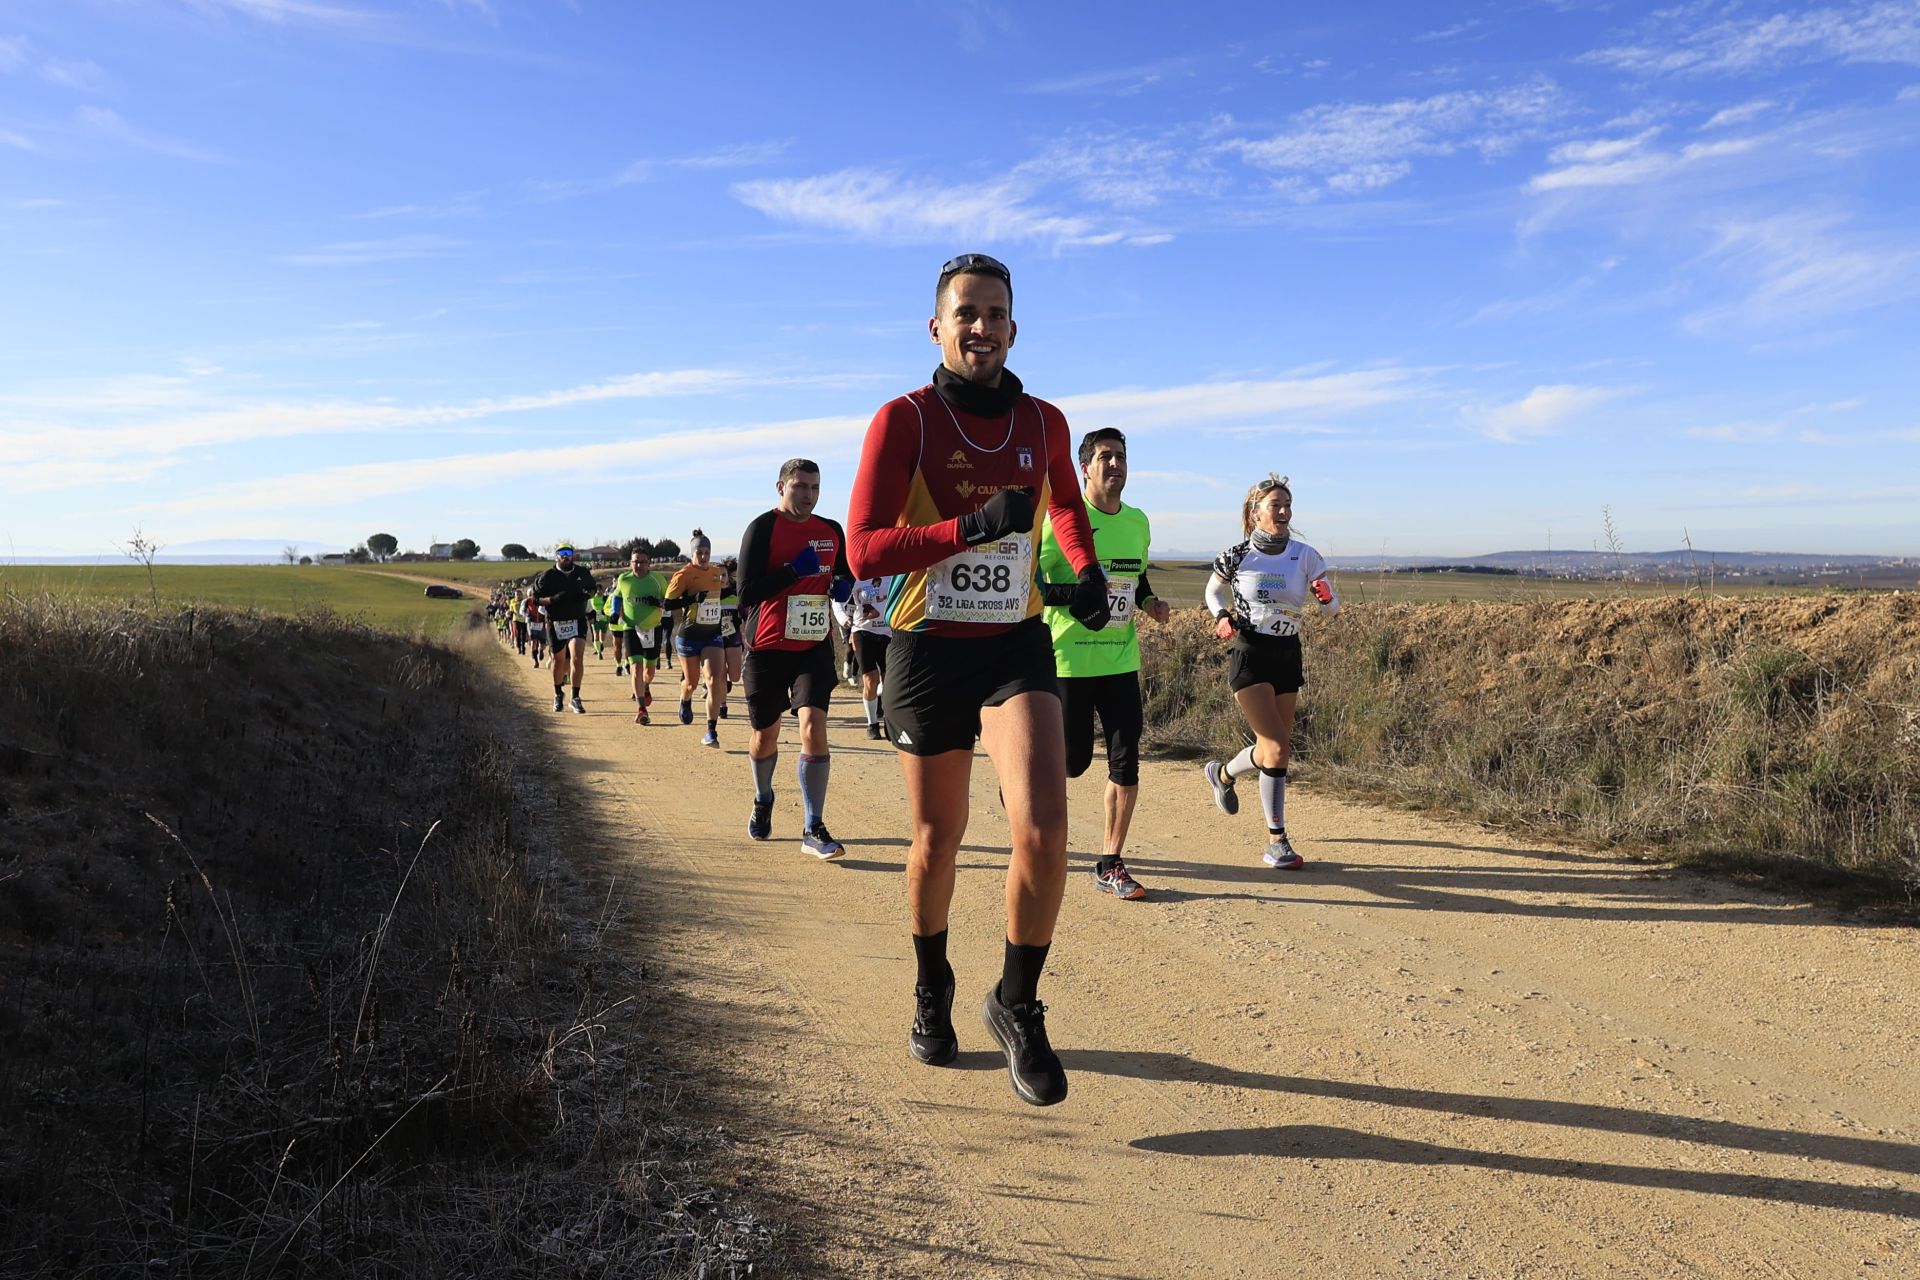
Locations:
(1437, 1052)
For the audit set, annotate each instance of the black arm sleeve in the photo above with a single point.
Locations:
(1058, 594)
(1142, 591)
(842, 563)
(758, 580)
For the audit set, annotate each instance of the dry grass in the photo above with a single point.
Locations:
(1778, 736)
(291, 983)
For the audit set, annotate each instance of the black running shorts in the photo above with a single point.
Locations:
(1117, 699)
(1273, 660)
(783, 680)
(936, 685)
(871, 648)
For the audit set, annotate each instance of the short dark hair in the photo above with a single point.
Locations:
(1098, 436)
(972, 264)
(794, 466)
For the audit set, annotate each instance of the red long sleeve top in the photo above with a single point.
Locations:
(925, 464)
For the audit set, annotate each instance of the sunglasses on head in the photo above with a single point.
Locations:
(1270, 484)
(976, 262)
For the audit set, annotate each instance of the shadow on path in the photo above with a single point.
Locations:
(1870, 1153)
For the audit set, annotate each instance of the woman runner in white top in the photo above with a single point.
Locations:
(864, 615)
(1257, 594)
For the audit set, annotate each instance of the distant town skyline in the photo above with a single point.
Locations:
(511, 270)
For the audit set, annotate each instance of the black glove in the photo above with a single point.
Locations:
(1090, 606)
(1008, 511)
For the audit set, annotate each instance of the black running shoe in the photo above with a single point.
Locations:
(1021, 1032)
(932, 1040)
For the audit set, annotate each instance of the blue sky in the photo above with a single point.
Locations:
(518, 270)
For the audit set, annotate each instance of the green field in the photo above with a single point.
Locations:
(380, 599)
(384, 596)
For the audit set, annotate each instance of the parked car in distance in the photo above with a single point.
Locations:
(440, 591)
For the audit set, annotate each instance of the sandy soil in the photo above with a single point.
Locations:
(1436, 1052)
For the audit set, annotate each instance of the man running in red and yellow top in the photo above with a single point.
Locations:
(792, 562)
(950, 479)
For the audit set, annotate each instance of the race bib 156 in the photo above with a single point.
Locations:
(807, 617)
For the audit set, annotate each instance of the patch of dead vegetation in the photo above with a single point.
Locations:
(292, 983)
(1778, 736)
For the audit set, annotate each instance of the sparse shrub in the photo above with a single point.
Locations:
(289, 989)
(1782, 734)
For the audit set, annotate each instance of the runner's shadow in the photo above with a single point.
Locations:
(901, 842)
(1870, 1153)
(1329, 1142)
(866, 864)
(1541, 855)
(1608, 891)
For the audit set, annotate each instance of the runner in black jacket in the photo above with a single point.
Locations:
(565, 590)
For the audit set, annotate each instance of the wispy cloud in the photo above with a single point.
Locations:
(18, 141)
(1448, 33)
(1542, 411)
(1355, 147)
(1742, 114)
(1702, 39)
(1125, 171)
(1737, 432)
(393, 249)
(726, 448)
(1614, 162)
(1115, 81)
(464, 205)
(37, 429)
(306, 12)
(1806, 266)
(103, 122)
(18, 54)
(738, 155)
(1138, 408)
(887, 207)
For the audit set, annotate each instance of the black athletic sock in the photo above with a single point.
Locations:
(1020, 974)
(1106, 861)
(930, 956)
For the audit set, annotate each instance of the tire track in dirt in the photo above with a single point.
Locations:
(1438, 1052)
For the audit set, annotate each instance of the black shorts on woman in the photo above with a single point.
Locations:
(1273, 660)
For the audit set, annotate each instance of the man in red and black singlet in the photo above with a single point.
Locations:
(792, 563)
(951, 477)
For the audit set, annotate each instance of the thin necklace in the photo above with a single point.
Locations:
(963, 431)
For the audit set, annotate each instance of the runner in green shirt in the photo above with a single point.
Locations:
(637, 595)
(1100, 670)
(597, 619)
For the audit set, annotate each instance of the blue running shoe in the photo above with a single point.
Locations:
(760, 822)
(819, 842)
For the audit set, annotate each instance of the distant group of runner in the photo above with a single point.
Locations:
(988, 592)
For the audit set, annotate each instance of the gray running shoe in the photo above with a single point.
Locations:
(1223, 793)
(578, 708)
(1280, 855)
(1021, 1032)
(559, 701)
